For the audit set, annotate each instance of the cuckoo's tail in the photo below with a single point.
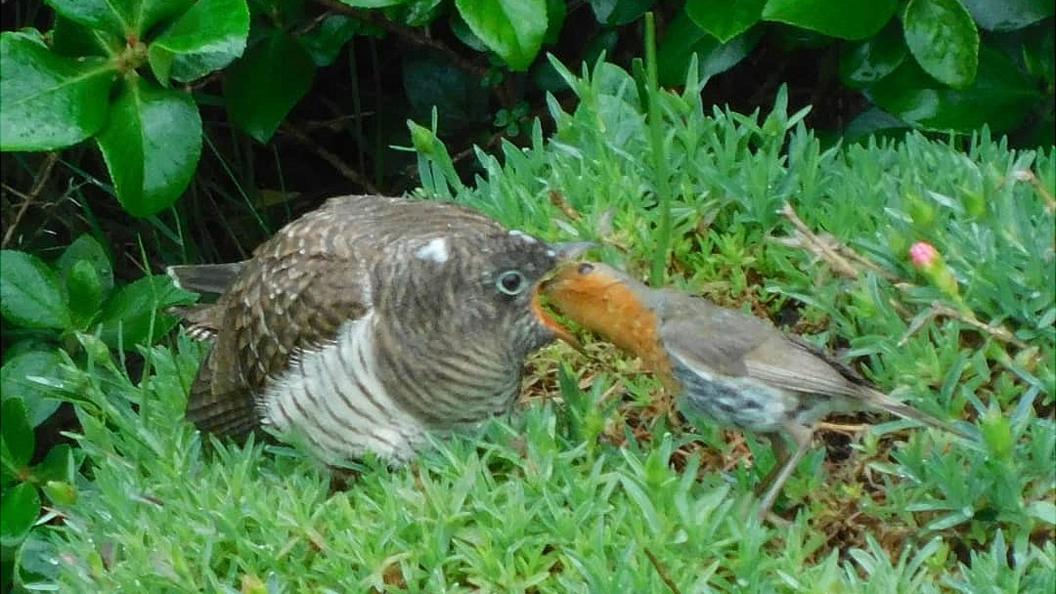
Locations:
(205, 278)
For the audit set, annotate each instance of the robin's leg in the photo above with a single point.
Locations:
(782, 454)
(801, 435)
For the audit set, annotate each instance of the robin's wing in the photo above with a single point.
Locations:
(727, 342)
(279, 307)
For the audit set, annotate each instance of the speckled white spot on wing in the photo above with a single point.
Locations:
(524, 236)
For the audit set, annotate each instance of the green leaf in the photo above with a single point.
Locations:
(684, 38)
(513, 29)
(126, 317)
(85, 291)
(58, 465)
(30, 294)
(1043, 510)
(324, 41)
(17, 435)
(556, 11)
(207, 37)
(943, 39)
(20, 508)
(125, 18)
(15, 382)
(115, 16)
(1000, 97)
(69, 38)
(868, 61)
(35, 566)
(1009, 15)
(262, 87)
(373, 3)
(725, 19)
(836, 18)
(151, 146)
(619, 12)
(88, 249)
(49, 101)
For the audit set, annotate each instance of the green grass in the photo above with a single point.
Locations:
(585, 483)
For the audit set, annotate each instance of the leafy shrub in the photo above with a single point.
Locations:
(51, 310)
(129, 77)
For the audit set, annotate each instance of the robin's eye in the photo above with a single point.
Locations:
(511, 282)
(585, 268)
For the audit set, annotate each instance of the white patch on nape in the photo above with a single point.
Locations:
(524, 236)
(434, 251)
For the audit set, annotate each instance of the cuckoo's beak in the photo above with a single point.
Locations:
(571, 250)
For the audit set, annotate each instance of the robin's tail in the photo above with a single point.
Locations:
(889, 404)
(205, 278)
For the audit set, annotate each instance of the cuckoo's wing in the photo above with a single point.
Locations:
(280, 307)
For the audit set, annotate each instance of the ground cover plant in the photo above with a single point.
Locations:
(591, 486)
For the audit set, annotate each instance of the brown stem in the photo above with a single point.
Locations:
(413, 36)
(660, 569)
(343, 168)
(34, 192)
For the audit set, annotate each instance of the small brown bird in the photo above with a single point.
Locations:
(369, 322)
(732, 367)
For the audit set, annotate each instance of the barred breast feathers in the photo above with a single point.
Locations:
(334, 398)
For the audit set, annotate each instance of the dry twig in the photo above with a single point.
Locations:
(660, 569)
(34, 192)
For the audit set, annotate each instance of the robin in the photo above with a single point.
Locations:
(730, 366)
(369, 322)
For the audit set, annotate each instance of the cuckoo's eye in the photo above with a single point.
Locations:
(511, 282)
(585, 268)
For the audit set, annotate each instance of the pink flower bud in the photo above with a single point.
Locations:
(923, 254)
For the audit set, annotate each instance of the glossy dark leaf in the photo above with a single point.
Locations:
(114, 16)
(209, 36)
(326, 40)
(16, 433)
(262, 87)
(373, 3)
(72, 39)
(556, 11)
(1000, 96)
(943, 39)
(20, 508)
(87, 248)
(30, 293)
(836, 18)
(429, 81)
(866, 62)
(49, 101)
(513, 29)
(126, 318)
(725, 19)
(125, 18)
(14, 382)
(684, 38)
(151, 146)
(1009, 15)
(619, 12)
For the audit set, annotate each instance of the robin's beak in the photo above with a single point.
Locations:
(550, 323)
(564, 252)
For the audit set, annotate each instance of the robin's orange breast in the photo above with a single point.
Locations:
(612, 310)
